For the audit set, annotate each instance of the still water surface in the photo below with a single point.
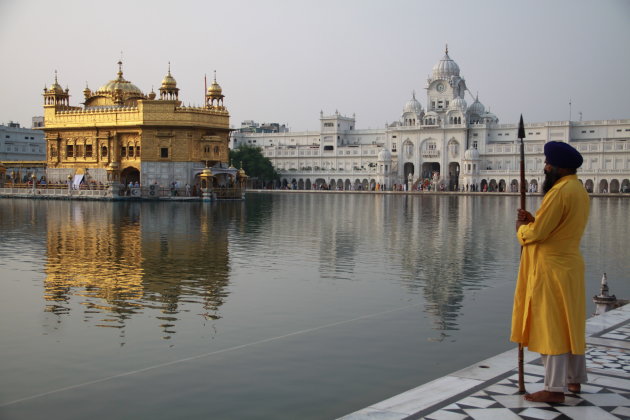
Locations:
(283, 306)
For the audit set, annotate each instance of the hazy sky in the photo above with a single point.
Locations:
(284, 61)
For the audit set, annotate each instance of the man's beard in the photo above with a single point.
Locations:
(550, 178)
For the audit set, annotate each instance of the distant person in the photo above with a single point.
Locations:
(549, 303)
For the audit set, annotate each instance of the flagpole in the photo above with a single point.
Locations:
(521, 136)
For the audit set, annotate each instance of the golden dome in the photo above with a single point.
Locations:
(169, 81)
(215, 89)
(128, 88)
(55, 87)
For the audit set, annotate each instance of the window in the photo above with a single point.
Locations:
(130, 153)
(163, 152)
(88, 150)
(53, 151)
(70, 150)
(123, 151)
(137, 151)
(104, 151)
(393, 147)
(78, 151)
(474, 144)
(216, 150)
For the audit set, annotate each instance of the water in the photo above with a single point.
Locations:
(284, 306)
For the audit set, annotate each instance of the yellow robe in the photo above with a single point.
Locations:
(549, 303)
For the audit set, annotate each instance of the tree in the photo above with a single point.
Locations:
(256, 166)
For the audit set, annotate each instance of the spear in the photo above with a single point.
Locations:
(521, 135)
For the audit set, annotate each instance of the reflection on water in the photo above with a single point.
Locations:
(116, 259)
(106, 262)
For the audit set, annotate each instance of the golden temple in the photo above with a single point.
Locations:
(122, 136)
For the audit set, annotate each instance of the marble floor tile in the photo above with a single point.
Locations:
(476, 402)
(517, 401)
(586, 413)
(537, 413)
(492, 414)
(606, 400)
(446, 415)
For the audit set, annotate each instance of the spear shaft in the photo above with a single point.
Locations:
(521, 135)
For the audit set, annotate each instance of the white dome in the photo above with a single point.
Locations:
(445, 68)
(471, 154)
(458, 104)
(413, 106)
(477, 108)
(384, 156)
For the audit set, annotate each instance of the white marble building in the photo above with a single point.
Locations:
(450, 145)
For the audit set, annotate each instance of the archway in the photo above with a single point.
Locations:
(300, 184)
(320, 183)
(625, 186)
(614, 186)
(589, 185)
(514, 186)
(502, 185)
(357, 185)
(129, 174)
(347, 185)
(603, 186)
(333, 184)
(340, 184)
(453, 176)
(308, 184)
(484, 185)
(430, 170)
(409, 168)
(493, 186)
(365, 186)
(533, 186)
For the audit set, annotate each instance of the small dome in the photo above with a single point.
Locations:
(477, 108)
(55, 87)
(384, 156)
(413, 105)
(215, 89)
(458, 104)
(169, 81)
(471, 154)
(445, 68)
(128, 88)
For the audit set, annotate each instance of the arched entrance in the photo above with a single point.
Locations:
(514, 186)
(453, 176)
(625, 186)
(493, 186)
(347, 185)
(484, 185)
(589, 185)
(409, 168)
(614, 186)
(502, 185)
(430, 170)
(129, 174)
(603, 186)
(308, 184)
(533, 186)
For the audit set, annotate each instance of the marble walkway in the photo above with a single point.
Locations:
(488, 390)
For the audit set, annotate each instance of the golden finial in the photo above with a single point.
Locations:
(120, 72)
(446, 52)
(169, 68)
(215, 76)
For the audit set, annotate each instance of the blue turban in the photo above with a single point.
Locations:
(562, 155)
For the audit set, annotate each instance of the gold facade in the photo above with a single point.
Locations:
(119, 129)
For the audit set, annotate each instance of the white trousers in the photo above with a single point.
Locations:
(563, 369)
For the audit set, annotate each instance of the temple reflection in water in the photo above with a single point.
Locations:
(119, 259)
(110, 262)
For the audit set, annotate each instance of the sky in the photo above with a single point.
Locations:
(286, 60)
